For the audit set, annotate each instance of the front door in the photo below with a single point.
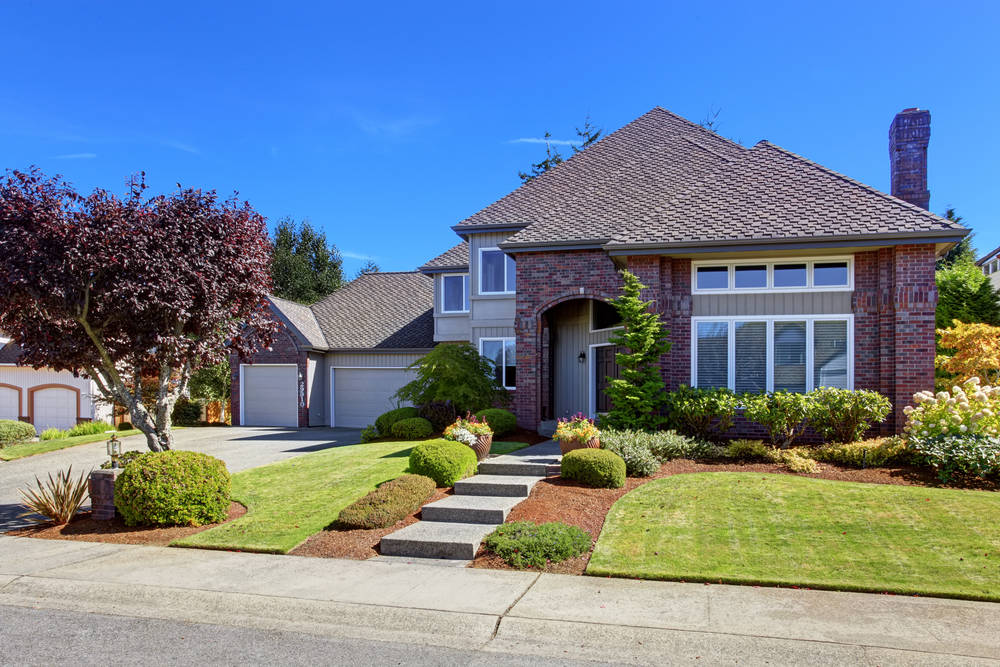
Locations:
(604, 368)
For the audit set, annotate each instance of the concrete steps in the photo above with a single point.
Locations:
(470, 509)
(435, 539)
(506, 486)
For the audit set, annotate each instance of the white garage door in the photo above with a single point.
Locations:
(362, 394)
(54, 408)
(270, 396)
(9, 409)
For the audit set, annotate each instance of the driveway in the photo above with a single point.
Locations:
(240, 447)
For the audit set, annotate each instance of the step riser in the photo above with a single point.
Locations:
(498, 489)
(526, 469)
(419, 549)
(463, 515)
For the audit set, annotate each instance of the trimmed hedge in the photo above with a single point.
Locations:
(594, 467)
(385, 421)
(501, 421)
(15, 432)
(173, 488)
(523, 544)
(389, 503)
(413, 428)
(444, 461)
(873, 453)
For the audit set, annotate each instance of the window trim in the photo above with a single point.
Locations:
(810, 321)
(770, 262)
(504, 340)
(479, 285)
(465, 294)
(592, 378)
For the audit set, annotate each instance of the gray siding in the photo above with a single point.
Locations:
(318, 399)
(572, 335)
(451, 328)
(787, 303)
(489, 311)
(370, 359)
(491, 332)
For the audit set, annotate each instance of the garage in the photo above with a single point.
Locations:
(269, 395)
(362, 394)
(10, 399)
(54, 407)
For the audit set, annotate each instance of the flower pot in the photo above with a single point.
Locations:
(482, 446)
(566, 446)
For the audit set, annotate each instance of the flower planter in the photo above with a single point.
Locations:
(482, 446)
(566, 446)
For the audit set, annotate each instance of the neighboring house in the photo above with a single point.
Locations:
(771, 272)
(45, 398)
(991, 266)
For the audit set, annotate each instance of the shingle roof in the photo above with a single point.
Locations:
(988, 256)
(452, 259)
(774, 194)
(302, 318)
(629, 172)
(10, 353)
(379, 311)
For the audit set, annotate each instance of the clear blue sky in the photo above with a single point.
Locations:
(387, 123)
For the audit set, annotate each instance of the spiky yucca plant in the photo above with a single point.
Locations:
(58, 499)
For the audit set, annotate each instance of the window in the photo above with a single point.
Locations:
(502, 354)
(757, 354)
(603, 316)
(497, 272)
(455, 293)
(825, 273)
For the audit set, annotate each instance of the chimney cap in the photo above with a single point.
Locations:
(909, 110)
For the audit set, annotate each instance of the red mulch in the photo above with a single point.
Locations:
(86, 529)
(358, 544)
(556, 499)
(522, 435)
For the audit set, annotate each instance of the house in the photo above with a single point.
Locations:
(45, 398)
(990, 264)
(770, 271)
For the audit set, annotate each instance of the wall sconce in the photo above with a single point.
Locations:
(582, 357)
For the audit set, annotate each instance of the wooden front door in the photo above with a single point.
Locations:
(604, 368)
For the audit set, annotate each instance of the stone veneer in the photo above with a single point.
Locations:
(283, 350)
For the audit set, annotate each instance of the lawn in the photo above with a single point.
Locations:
(42, 446)
(748, 528)
(291, 500)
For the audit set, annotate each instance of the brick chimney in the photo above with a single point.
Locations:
(909, 135)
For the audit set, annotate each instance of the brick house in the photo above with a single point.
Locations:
(770, 271)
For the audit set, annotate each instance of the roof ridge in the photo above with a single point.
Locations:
(701, 129)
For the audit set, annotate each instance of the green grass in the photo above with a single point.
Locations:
(498, 448)
(748, 528)
(32, 448)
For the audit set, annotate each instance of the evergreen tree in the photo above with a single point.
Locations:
(961, 249)
(368, 267)
(588, 134)
(966, 294)
(303, 266)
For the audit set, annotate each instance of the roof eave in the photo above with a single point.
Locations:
(431, 270)
(462, 229)
(382, 350)
(542, 246)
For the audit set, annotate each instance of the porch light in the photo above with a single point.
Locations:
(582, 357)
(114, 448)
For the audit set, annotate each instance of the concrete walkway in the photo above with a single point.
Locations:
(497, 612)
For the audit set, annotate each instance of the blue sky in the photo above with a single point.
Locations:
(387, 123)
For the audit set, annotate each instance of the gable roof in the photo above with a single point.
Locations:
(10, 352)
(302, 320)
(988, 256)
(379, 311)
(455, 258)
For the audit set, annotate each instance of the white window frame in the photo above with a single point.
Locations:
(465, 292)
(504, 340)
(479, 286)
(810, 321)
(590, 318)
(770, 262)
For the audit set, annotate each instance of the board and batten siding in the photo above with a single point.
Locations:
(570, 330)
(371, 359)
(316, 384)
(784, 303)
(488, 310)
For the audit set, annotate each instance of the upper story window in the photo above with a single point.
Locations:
(819, 274)
(455, 293)
(496, 272)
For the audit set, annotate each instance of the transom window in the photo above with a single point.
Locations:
(757, 354)
(455, 293)
(502, 355)
(603, 316)
(819, 274)
(497, 272)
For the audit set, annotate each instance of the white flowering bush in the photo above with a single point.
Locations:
(464, 435)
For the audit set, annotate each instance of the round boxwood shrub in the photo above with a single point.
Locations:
(414, 428)
(173, 488)
(389, 503)
(594, 467)
(444, 461)
(15, 432)
(385, 421)
(501, 421)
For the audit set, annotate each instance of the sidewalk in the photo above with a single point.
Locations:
(522, 613)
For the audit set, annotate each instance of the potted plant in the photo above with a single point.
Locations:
(475, 433)
(577, 432)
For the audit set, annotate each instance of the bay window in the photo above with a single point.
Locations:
(758, 354)
(497, 272)
(502, 355)
(455, 293)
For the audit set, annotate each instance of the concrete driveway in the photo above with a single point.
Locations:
(240, 447)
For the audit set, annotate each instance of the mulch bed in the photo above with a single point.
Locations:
(359, 544)
(556, 499)
(522, 435)
(85, 529)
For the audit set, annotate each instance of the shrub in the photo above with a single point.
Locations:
(748, 450)
(438, 413)
(667, 445)
(782, 413)
(798, 463)
(186, 412)
(594, 467)
(124, 459)
(414, 428)
(444, 461)
(976, 454)
(454, 372)
(975, 351)
(385, 421)
(173, 488)
(634, 448)
(701, 413)
(369, 433)
(873, 453)
(389, 503)
(15, 432)
(969, 409)
(501, 421)
(89, 428)
(125, 426)
(842, 415)
(58, 499)
(795, 459)
(523, 544)
(52, 434)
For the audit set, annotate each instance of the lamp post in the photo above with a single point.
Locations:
(114, 449)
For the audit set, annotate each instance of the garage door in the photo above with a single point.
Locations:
(9, 409)
(54, 408)
(362, 394)
(270, 396)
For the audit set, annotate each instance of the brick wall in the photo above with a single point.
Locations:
(283, 350)
(909, 135)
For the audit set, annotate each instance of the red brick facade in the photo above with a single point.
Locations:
(283, 350)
